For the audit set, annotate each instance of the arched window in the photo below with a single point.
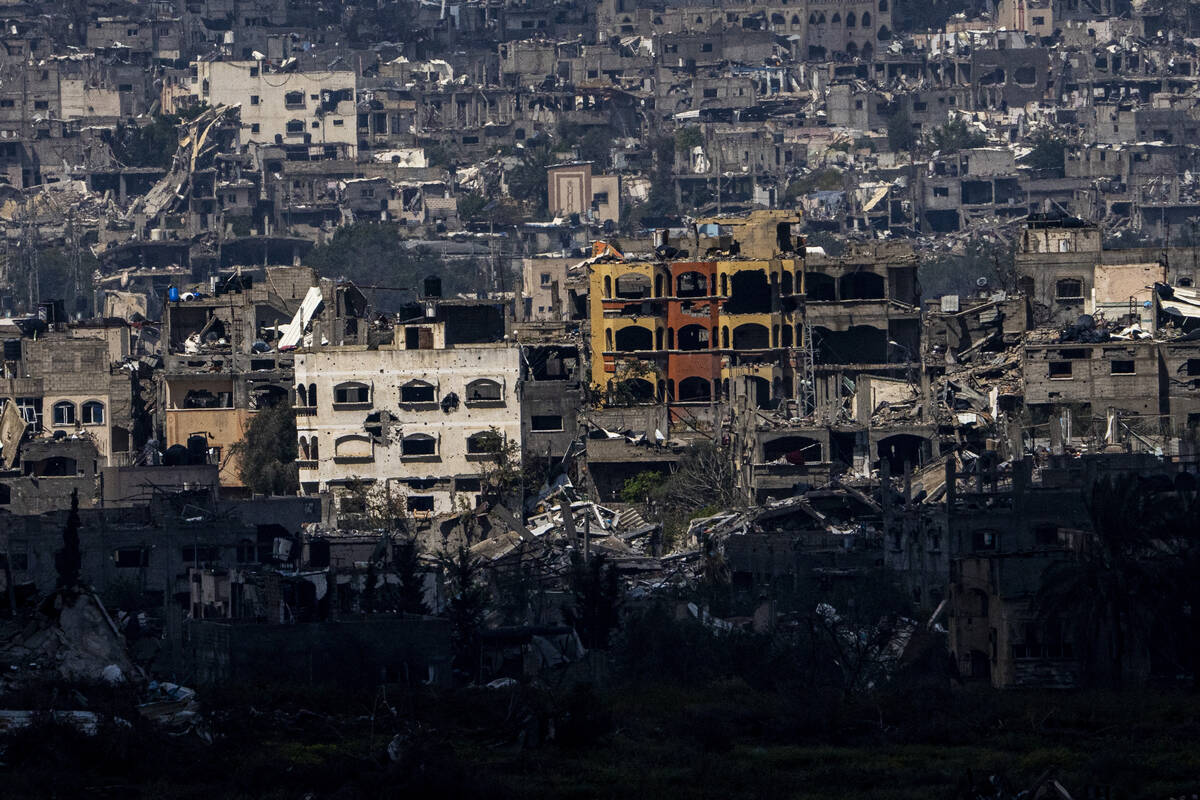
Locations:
(352, 446)
(484, 443)
(883, 5)
(64, 413)
(418, 392)
(751, 336)
(850, 19)
(693, 337)
(484, 391)
(751, 293)
(851, 49)
(691, 284)
(795, 20)
(304, 448)
(352, 392)
(636, 390)
(694, 389)
(634, 338)
(836, 19)
(821, 18)
(795, 449)
(884, 34)
(778, 19)
(312, 448)
(607, 286)
(93, 413)
(301, 395)
(812, 19)
(866, 19)
(312, 394)
(418, 444)
(294, 99)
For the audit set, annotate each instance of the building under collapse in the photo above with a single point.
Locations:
(410, 410)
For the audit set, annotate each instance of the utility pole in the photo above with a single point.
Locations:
(29, 260)
(73, 254)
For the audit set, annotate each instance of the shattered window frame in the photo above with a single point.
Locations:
(484, 391)
(123, 556)
(543, 427)
(418, 385)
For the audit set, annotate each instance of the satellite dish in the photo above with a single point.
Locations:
(981, 282)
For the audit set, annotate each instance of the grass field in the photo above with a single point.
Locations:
(721, 740)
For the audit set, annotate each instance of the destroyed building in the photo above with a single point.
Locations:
(224, 358)
(415, 409)
(673, 330)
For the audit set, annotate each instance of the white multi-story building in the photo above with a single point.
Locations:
(316, 109)
(417, 418)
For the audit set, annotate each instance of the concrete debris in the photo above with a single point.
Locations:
(70, 635)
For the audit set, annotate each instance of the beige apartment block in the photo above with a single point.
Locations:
(286, 108)
(409, 419)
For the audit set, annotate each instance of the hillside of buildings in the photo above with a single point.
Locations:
(797, 398)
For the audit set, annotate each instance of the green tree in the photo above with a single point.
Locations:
(596, 146)
(501, 470)
(410, 593)
(642, 486)
(438, 155)
(1110, 592)
(56, 277)
(370, 590)
(592, 142)
(527, 181)
(901, 136)
(703, 483)
(955, 135)
(267, 452)
(471, 206)
(69, 560)
(153, 144)
(662, 179)
(516, 586)
(469, 599)
(596, 590)
(959, 273)
(828, 180)
(687, 138)
(374, 254)
(1048, 154)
